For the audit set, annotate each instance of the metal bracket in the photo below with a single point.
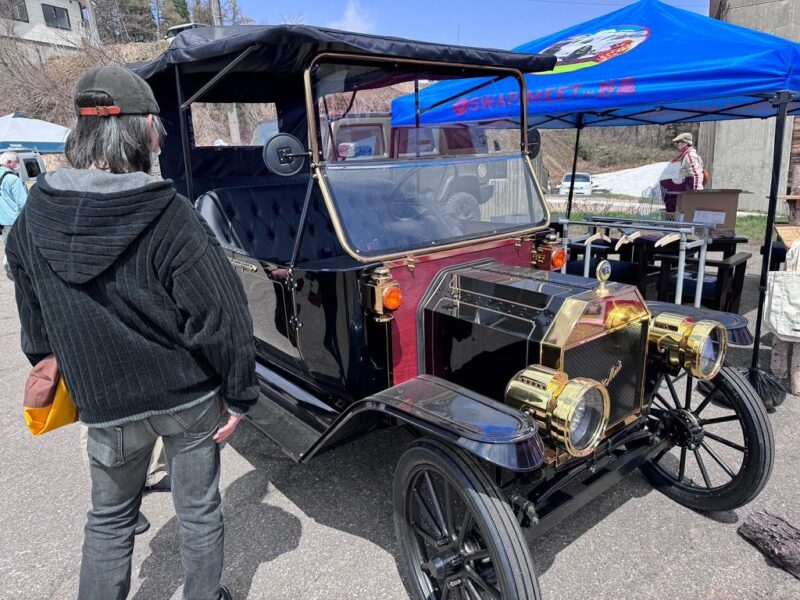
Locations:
(411, 263)
(524, 509)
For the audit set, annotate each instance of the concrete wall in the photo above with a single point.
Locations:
(739, 153)
(37, 31)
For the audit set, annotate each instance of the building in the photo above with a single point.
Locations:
(50, 27)
(738, 154)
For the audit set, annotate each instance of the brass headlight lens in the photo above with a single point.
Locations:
(573, 412)
(697, 346)
(580, 416)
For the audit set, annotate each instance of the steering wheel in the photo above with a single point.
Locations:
(409, 208)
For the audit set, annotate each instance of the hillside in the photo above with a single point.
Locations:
(44, 91)
(608, 149)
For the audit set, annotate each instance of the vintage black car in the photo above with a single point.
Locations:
(376, 304)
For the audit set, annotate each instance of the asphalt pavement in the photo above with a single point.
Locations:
(323, 530)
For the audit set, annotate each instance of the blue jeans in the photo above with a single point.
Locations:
(118, 462)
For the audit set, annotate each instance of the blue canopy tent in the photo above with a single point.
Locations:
(18, 130)
(648, 63)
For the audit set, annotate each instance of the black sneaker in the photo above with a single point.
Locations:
(224, 594)
(163, 485)
(142, 524)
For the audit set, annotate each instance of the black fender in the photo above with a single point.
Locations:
(490, 430)
(736, 325)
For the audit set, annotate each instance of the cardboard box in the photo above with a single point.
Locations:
(711, 206)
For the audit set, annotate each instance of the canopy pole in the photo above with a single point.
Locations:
(187, 156)
(574, 164)
(781, 102)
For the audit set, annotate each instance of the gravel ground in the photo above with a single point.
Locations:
(324, 530)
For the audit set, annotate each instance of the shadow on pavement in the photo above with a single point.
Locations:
(348, 488)
(248, 523)
(545, 548)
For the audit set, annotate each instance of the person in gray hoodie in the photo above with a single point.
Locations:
(118, 277)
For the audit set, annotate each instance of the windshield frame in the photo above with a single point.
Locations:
(318, 160)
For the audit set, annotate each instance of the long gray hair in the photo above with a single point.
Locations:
(119, 144)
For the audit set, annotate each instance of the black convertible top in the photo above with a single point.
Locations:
(288, 49)
(270, 68)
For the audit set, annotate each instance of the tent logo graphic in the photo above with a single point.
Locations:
(591, 49)
(461, 107)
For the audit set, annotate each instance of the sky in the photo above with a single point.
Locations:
(488, 23)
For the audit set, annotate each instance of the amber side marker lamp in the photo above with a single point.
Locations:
(392, 298)
(558, 259)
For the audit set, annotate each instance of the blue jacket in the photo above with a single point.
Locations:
(13, 195)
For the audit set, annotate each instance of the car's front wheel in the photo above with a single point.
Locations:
(457, 535)
(724, 447)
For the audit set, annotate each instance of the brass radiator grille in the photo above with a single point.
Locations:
(623, 351)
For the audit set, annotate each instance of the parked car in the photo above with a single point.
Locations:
(31, 164)
(528, 391)
(176, 29)
(372, 136)
(583, 184)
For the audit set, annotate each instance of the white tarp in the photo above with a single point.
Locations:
(18, 130)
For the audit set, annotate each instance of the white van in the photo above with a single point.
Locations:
(583, 184)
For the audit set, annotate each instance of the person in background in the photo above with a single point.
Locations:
(119, 278)
(13, 194)
(690, 171)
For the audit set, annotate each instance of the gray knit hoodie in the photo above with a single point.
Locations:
(118, 276)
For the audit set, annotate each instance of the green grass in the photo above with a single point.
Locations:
(753, 227)
(750, 226)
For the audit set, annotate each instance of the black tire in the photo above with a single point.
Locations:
(734, 398)
(462, 206)
(490, 542)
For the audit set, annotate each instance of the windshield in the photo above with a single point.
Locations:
(401, 185)
(579, 178)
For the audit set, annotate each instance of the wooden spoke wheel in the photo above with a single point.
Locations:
(457, 535)
(724, 448)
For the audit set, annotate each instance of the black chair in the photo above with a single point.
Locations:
(621, 271)
(778, 256)
(721, 290)
(632, 272)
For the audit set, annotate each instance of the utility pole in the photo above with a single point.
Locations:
(94, 34)
(216, 13)
(157, 9)
(233, 117)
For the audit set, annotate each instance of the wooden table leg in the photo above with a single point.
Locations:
(779, 360)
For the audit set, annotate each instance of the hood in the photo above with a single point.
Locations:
(83, 220)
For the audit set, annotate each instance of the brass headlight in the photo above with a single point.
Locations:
(697, 346)
(573, 412)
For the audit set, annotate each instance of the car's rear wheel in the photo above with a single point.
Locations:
(724, 448)
(457, 535)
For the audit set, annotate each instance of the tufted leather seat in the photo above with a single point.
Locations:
(260, 221)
